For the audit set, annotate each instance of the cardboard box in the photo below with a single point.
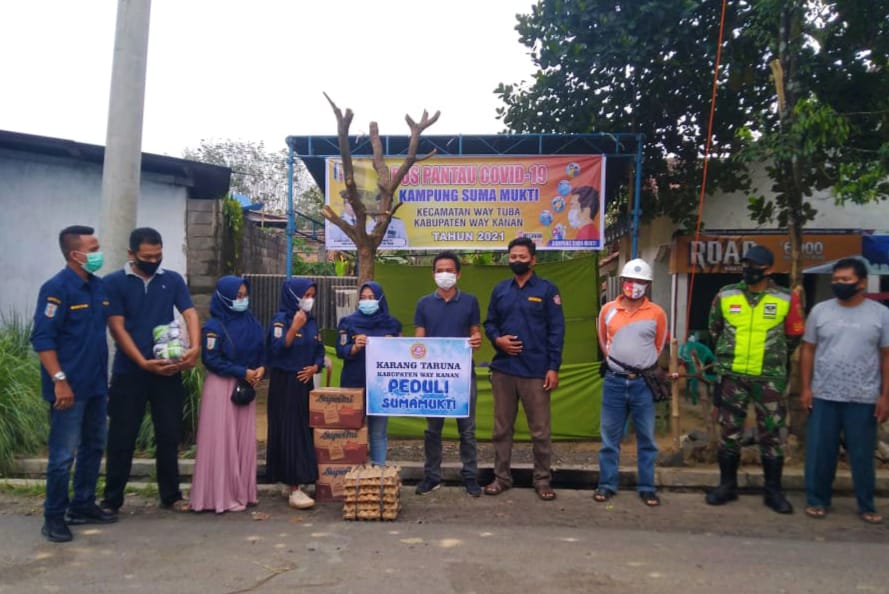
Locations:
(341, 446)
(331, 483)
(336, 408)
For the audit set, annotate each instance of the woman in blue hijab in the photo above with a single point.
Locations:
(225, 464)
(371, 319)
(295, 354)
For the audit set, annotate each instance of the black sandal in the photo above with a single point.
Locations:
(602, 495)
(650, 498)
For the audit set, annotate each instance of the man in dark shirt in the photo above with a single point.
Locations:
(527, 328)
(69, 337)
(143, 296)
(448, 313)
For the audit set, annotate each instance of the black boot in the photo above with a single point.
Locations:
(773, 496)
(728, 479)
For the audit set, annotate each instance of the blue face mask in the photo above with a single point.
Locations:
(368, 306)
(240, 304)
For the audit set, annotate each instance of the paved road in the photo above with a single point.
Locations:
(448, 542)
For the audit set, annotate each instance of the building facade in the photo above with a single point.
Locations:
(50, 183)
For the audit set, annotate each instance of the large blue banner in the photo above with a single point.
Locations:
(418, 377)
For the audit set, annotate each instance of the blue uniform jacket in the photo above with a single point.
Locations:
(143, 306)
(70, 319)
(223, 357)
(377, 324)
(306, 349)
(534, 314)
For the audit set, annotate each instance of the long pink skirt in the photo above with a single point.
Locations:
(225, 463)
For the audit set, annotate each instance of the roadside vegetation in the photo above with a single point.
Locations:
(23, 412)
(24, 415)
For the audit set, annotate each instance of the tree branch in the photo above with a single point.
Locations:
(383, 174)
(349, 229)
(343, 122)
(387, 191)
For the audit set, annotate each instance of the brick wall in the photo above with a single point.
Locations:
(204, 255)
(263, 250)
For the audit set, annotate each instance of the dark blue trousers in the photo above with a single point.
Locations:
(858, 426)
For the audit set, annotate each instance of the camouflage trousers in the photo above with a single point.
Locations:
(734, 395)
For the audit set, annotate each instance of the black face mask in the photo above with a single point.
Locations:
(148, 268)
(844, 291)
(520, 268)
(752, 275)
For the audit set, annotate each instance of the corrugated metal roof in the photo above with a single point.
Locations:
(202, 180)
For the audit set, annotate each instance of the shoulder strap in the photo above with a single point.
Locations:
(234, 348)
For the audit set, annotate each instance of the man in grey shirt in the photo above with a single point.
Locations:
(844, 368)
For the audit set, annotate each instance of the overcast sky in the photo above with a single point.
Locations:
(255, 69)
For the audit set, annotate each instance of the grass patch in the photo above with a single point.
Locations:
(29, 489)
(24, 415)
(35, 488)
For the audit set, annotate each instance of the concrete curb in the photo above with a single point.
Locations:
(572, 477)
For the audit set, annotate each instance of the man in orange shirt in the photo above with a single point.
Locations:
(632, 332)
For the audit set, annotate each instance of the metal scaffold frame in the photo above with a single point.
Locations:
(619, 149)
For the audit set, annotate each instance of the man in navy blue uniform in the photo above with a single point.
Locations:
(526, 325)
(143, 296)
(69, 337)
(449, 313)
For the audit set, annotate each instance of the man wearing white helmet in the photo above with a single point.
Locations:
(632, 331)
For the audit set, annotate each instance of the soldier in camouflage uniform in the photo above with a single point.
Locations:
(753, 336)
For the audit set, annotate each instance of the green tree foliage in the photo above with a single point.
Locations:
(646, 66)
(829, 126)
(260, 174)
(233, 215)
(311, 202)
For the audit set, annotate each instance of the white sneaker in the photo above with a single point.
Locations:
(299, 500)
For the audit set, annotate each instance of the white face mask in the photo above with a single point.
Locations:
(306, 304)
(575, 219)
(445, 280)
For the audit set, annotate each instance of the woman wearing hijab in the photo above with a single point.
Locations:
(371, 319)
(295, 354)
(225, 464)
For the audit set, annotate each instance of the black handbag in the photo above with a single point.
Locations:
(243, 393)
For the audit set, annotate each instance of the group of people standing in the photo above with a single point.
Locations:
(87, 415)
(844, 372)
(525, 324)
(293, 352)
(846, 339)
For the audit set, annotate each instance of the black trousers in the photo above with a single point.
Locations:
(128, 395)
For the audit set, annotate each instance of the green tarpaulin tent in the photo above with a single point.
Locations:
(575, 404)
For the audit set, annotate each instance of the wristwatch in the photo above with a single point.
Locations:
(59, 376)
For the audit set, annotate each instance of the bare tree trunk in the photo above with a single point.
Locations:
(368, 240)
(366, 263)
(787, 85)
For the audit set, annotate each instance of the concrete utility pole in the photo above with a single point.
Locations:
(123, 144)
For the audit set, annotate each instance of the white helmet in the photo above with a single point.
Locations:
(637, 269)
